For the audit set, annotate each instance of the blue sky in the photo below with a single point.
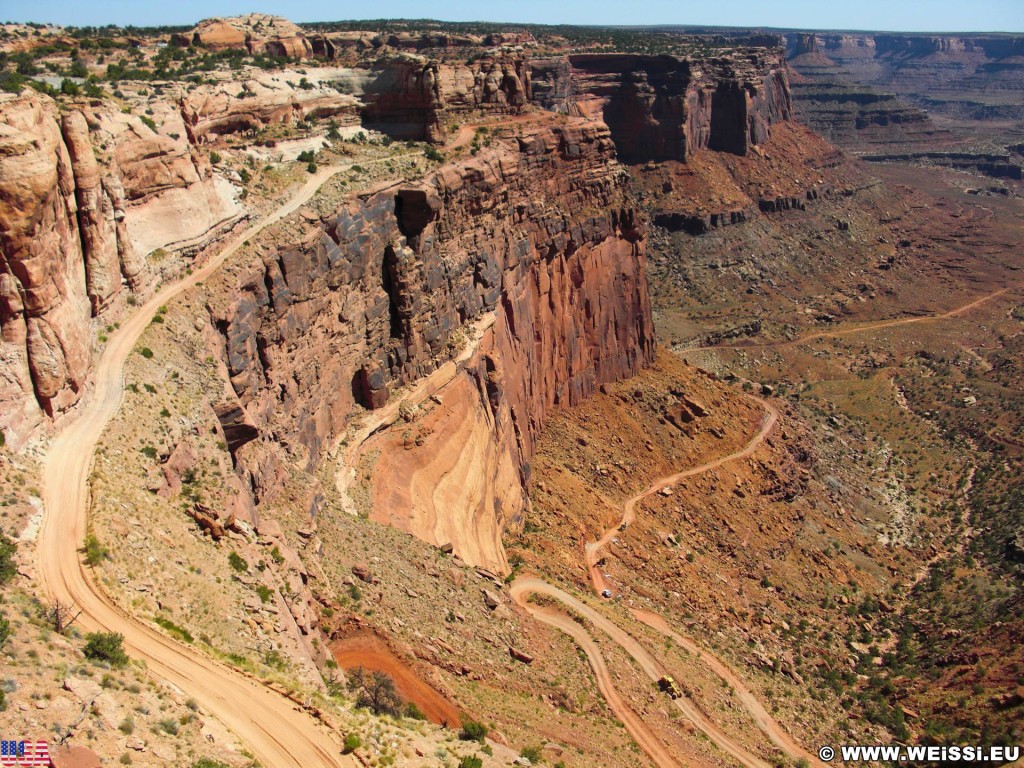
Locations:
(902, 15)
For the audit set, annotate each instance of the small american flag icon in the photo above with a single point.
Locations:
(20, 754)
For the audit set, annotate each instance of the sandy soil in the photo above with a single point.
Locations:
(373, 654)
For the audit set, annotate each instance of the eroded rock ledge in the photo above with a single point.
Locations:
(538, 229)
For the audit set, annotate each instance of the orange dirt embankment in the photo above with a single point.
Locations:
(373, 654)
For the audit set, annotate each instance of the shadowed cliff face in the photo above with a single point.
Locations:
(537, 230)
(667, 108)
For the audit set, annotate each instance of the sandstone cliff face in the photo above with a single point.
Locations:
(213, 110)
(666, 107)
(44, 307)
(257, 33)
(539, 232)
(85, 193)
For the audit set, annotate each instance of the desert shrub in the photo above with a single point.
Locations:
(7, 567)
(5, 630)
(352, 743)
(469, 761)
(532, 754)
(146, 352)
(473, 731)
(95, 553)
(237, 562)
(105, 646)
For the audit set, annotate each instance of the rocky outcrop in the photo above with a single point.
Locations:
(85, 193)
(44, 306)
(409, 96)
(213, 110)
(256, 33)
(539, 231)
(667, 107)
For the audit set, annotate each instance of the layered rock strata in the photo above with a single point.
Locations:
(539, 231)
(85, 193)
(668, 107)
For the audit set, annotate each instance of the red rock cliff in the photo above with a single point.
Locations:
(667, 107)
(83, 193)
(538, 230)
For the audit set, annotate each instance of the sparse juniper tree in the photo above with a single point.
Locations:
(375, 691)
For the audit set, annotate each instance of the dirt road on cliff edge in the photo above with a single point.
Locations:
(523, 587)
(276, 730)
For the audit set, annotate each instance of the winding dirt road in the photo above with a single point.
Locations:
(870, 327)
(593, 550)
(523, 587)
(276, 731)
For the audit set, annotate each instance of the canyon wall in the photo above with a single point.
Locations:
(667, 107)
(977, 77)
(85, 193)
(538, 230)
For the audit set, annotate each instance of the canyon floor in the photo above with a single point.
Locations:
(397, 407)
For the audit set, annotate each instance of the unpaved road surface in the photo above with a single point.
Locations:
(276, 730)
(523, 587)
(593, 550)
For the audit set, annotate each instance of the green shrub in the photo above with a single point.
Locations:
(146, 352)
(105, 646)
(306, 156)
(5, 630)
(352, 743)
(127, 726)
(473, 731)
(265, 593)
(432, 154)
(469, 761)
(237, 562)
(533, 754)
(148, 450)
(206, 762)
(414, 712)
(215, 157)
(148, 122)
(95, 553)
(174, 629)
(168, 726)
(311, 168)
(7, 567)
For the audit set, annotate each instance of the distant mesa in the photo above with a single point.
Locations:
(257, 33)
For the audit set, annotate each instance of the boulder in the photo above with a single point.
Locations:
(74, 757)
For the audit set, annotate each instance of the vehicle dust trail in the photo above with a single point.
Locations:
(277, 731)
(862, 328)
